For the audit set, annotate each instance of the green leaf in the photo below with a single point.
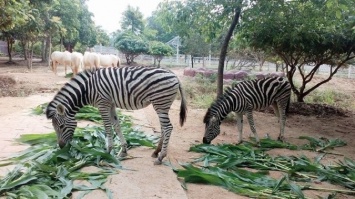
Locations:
(297, 190)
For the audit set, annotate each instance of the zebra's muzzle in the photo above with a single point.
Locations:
(205, 141)
(61, 144)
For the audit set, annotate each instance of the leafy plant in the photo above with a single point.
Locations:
(224, 165)
(69, 75)
(44, 171)
(40, 109)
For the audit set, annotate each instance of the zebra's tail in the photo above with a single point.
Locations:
(183, 108)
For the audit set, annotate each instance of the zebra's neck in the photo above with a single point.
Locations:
(75, 94)
(223, 106)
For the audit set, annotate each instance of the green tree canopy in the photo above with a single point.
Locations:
(132, 19)
(158, 50)
(312, 32)
(210, 18)
(131, 45)
(102, 37)
(13, 13)
(155, 25)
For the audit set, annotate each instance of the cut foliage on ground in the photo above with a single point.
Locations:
(244, 169)
(44, 171)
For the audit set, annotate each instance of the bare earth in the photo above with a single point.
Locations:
(142, 179)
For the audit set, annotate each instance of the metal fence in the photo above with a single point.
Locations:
(212, 62)
(105, 50)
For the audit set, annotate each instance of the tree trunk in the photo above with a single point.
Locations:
(127, 59)
(159, 63)
(224, 49)
(300, 97)
(43, 54)
(30, 55)
(49, 49)
(9, 48)
(24, 50)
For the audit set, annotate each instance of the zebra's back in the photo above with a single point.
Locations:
(133, 88)
(261, 93)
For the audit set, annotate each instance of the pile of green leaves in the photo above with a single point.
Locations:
(230, 166)
(45, 171)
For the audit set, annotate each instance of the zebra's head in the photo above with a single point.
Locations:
(64, 125)
(212, 127)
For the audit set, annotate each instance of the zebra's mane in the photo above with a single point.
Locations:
(213, 110)
(77, 81)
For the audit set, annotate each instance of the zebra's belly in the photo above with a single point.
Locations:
(131, 105)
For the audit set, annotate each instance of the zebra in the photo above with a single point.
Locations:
(129, 88)
(245, 97)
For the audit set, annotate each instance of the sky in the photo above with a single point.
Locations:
(108, 13)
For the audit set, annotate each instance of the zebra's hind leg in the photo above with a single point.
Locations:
(252, 126)
(158, 149)
(282, 112)
(276, 111)
(166, 132)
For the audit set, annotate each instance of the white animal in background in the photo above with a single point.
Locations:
(76, 62)
(91, 60)
(60, 58)
(109, 60)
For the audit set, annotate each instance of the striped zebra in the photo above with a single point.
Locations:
(129, 88)
(245, 97)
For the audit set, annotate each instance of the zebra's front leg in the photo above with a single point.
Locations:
(117, 128)
(252, 126)
(240, 127)
(109, 139)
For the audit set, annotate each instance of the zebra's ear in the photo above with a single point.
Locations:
(60, 109)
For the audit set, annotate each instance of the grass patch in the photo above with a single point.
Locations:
(330, 97)
(200, 91)
(229, 166)
(45, 171)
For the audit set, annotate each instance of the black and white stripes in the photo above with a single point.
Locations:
(245, 97)
(128, 88)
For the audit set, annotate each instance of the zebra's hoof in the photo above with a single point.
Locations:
(157, 162)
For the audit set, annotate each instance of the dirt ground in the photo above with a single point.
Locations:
(24, 90)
